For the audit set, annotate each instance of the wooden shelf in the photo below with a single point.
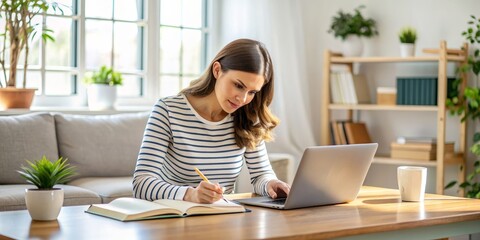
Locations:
(458, 159)
(374, 107)
(441, 57)
(453, 58)
(410, 162)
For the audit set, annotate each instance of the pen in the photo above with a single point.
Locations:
(205, 179)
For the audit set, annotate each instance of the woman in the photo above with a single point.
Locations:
(219, 120)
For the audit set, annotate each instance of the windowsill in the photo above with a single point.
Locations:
(77, 110)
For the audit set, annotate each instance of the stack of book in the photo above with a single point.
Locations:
(346, 88)
(348, 132)
(418, 149)
(419, 90)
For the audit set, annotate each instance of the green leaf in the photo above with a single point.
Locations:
(464, 185)
(450, 184)
(45, 174)
(105, 75)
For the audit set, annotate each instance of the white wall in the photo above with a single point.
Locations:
(434, 20)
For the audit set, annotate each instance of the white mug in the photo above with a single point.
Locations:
(411, 183)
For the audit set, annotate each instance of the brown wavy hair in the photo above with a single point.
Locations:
(253, 122)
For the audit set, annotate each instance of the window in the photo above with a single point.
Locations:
(182, 43)
(114, 32)
(125, 34)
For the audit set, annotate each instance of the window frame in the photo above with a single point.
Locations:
(151, 58)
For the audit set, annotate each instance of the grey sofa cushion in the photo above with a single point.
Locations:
(25, 137)
(101, 146)
(12, 197)
(108, 188)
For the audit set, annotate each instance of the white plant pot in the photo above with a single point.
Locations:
(44, 205)
(352, 46)
(101, 96)
(407, 49)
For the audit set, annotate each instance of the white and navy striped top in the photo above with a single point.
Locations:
(177, 139)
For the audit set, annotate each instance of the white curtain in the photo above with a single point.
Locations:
(276, 23)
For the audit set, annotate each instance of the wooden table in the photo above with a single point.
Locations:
(377, 213)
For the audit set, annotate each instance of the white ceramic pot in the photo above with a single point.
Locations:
(352, 46)
(44, 205)
(407, 49)
(101, 96)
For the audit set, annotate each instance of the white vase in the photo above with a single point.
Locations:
(352, 46)
(407, 49)
(101, 96)
(44, 205)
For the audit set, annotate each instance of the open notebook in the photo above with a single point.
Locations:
(131, 209)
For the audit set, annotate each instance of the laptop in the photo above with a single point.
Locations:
(326, 175)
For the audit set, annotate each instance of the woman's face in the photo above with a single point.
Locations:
(235, 89)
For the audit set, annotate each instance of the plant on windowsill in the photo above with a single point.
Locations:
(467, 105)
(102, 88)
(45, 202)
(19, 28)
(407, 37)
(350, 27)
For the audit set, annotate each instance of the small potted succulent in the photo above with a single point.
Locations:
(102, 88)
(407, 36)
(45, 202)
(350, 27)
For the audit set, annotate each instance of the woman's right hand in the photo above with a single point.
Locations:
(205, 192)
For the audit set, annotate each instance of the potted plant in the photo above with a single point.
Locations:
(102, 88)
(407, 36)
(467, 105)
(19, 28)
(350, 27)
(45, 202)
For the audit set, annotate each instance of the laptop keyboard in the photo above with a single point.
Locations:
(280, 201)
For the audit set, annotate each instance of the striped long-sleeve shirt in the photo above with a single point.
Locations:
(177, 139)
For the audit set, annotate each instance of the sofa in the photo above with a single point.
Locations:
(103, 149)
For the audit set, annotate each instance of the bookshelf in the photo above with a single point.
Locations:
(441, 56)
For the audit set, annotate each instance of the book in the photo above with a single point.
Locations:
(403, 140)
(419, 150)
(417, 155)
(361, 88)
(338, 131)
(341, 133)
(335, 133)
(419, 146)
(350, 86)
(356, 132)
(336, 96)
(423, 155)
(134, 209)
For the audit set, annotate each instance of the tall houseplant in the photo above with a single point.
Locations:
(19, 28)
(350, 27)
(102, 88)
(467, 105)
(45, 202)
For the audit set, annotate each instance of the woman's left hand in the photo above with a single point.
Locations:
(277, 188)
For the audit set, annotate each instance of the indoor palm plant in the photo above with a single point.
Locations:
(19, 27)
(467, 104)
(350, 27)
(45, 202)
(102, 88)
(407, 37)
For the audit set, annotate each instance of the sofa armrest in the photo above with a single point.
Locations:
(282, 164)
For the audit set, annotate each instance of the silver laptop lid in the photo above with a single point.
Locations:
(330, 174)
